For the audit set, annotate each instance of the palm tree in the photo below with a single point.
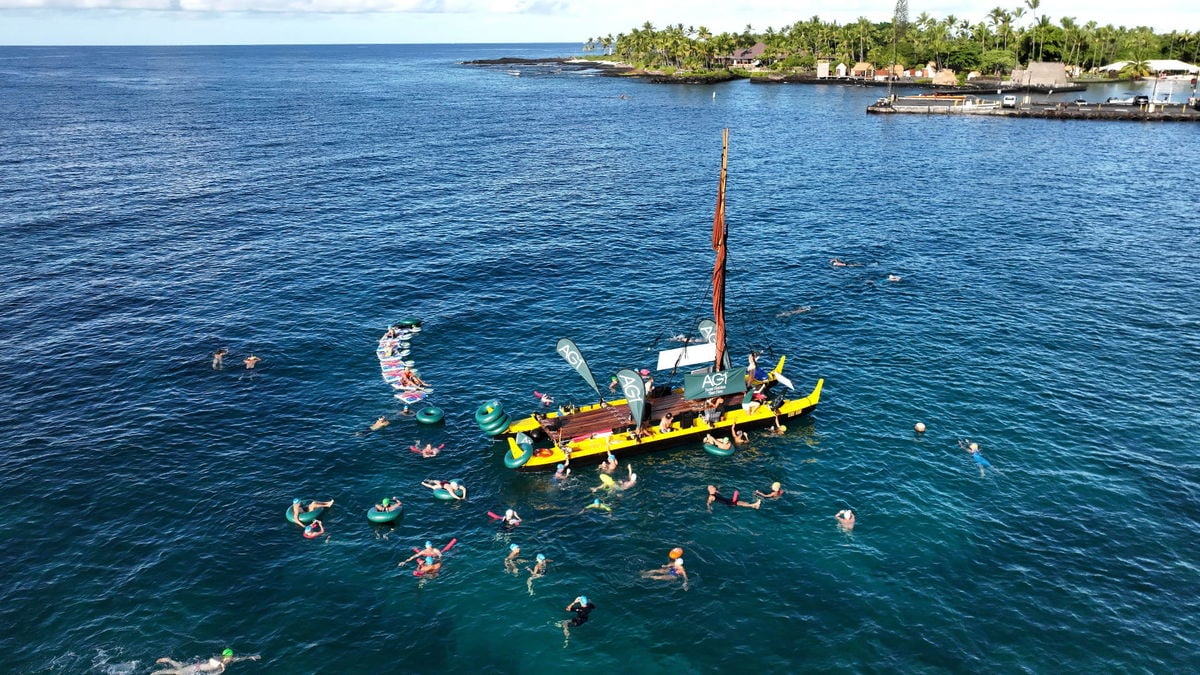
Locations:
(1033, 7)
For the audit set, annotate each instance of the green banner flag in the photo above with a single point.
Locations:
(634, 389)
(567, 349)
(708, 385)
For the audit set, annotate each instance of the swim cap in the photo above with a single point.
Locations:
(582, 599)
(541, 557)
(596, 502)
(429, 544)
(510, 513)
(675, 553)
(227, 653)
(295, 501)
(611, 457)
(559, 467)
(453, 483)
(386, 501)
(775, 485)
(429, 561)
(679, 562)
(513, 547)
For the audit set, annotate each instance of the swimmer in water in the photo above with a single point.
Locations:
(582, 608)
(973, 450)
(609, 464)
(714, 496)
(722, 443)
(598, 505)
(893, 277)
(537, 571)
(845, 519)
(379, 423)
(218, 361)
(407, 411)
(838, 262)
(457, 491)
(298, 509)
(563, 470)
(428, 552)
(314, 530)
(251, 361)
(628, 482)
(429, 567)
(212, 665)
(428, 450)
(669, 572)
(793, 312)
(510, 519)
(775, 492)
(510, 560)
(739, 437)
(388, 505)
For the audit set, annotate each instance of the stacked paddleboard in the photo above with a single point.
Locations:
(394, 351)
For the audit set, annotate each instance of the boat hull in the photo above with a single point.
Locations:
(594, 447)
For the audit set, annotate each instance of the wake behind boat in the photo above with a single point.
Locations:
(712, 400)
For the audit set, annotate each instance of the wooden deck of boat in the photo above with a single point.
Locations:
(610, 418)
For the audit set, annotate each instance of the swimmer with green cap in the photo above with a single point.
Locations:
(388, 504)
(211, 665)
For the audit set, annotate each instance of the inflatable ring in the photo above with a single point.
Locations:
(306, 517)
(444, 494)
(383, 516)
(716, 451)
(430, 415)
(498, 427)
(543, 452)
(409, 323)
(525, 443)
(489, 412)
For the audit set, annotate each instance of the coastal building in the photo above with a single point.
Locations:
(1163, 68)
(745, 58)
(945, 77)
(862, 69)
(1041, 74)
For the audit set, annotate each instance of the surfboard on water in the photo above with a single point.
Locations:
(411, 396)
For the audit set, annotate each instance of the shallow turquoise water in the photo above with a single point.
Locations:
(291, 201)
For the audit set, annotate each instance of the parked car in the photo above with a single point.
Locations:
(1009, 101)
(1080, 101)
(1141, 100)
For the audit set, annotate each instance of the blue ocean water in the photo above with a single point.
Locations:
(291, 202)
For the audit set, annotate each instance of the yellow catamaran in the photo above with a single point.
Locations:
(712, 401)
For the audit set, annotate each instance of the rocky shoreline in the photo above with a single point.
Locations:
(606, 68)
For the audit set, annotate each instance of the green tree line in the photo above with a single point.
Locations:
(996, 44)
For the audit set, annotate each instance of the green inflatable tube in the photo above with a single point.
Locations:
(305, 517)
(489, 412)
(526, 444)
(430, 415)
(444, 494)
(718, 452)
(496, 427)
(409, 323)
(383, 516)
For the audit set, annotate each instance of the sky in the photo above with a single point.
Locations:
(169, 22)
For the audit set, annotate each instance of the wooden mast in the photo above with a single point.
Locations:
(718, 244)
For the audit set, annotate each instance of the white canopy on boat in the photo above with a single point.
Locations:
(1158, 66)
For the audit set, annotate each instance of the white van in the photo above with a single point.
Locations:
(1009, 101)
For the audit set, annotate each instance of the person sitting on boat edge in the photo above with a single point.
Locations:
(714, 496)
(722, 443)
(664, 425)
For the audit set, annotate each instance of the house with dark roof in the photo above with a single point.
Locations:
(743, 58)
